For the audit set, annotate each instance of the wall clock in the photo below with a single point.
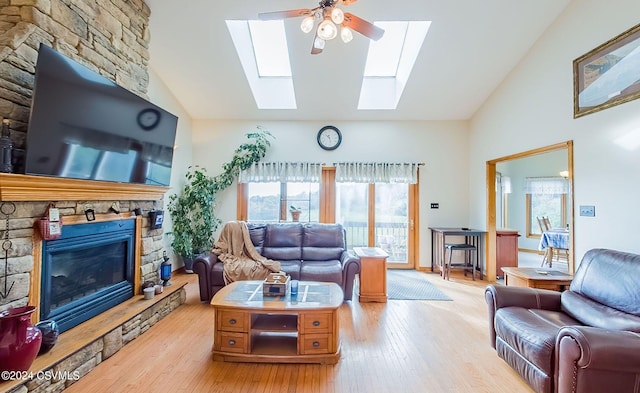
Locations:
(329, 138)
(148, 118)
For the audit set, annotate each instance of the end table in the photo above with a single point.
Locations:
(373, 274)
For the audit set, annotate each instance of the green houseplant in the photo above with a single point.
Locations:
(193, 210)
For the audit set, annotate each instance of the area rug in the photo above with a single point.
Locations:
(411, 285)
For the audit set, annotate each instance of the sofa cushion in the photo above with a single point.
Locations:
(322, 242)
(594, 314)
(610, 278)
(283, 242)
(327, 271)
(532, 333)
(292, 268)
(257, 234)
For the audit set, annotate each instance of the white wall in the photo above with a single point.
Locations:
(441, 145)
(160, 95)
(534, 107)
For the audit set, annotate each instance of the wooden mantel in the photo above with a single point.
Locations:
(18, 188)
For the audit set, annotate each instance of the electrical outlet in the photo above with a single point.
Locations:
(435, 205)
(587, 211)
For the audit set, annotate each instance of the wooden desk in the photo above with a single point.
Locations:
(471, 236)
(373, 274)
(536, 278)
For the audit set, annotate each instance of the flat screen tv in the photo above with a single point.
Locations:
(84, 126)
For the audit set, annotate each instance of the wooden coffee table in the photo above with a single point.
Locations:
(536, 278)
(250, 327)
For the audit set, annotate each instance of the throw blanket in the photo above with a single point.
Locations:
(240, 258)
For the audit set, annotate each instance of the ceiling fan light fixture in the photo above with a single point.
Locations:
(327, 30)
(307, 24)
(346, 34)
(318, 43)
(337, 16)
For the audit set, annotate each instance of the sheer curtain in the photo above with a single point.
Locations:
(546, 185)
(374, 172)
(266, 172)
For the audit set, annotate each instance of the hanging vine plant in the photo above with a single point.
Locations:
(193, 211)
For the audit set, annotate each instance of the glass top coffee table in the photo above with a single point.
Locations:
(251, 327)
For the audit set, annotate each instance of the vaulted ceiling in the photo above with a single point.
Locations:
(470, 48)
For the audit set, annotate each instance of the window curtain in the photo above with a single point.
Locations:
(546, 185)
(364, 172)
(268, 172)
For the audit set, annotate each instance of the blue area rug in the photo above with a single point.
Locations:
(411, 285)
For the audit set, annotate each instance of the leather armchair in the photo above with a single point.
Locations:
(309, 251)
(585, 339)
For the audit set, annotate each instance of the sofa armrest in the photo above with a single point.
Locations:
(202, 266)
(594, 359)
(499, 296)
(350, 267)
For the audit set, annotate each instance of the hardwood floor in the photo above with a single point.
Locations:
(401, 345)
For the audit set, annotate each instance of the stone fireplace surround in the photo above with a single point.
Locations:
(32, 195)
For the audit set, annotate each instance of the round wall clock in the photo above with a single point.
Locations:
(148, 118)
(329, 138)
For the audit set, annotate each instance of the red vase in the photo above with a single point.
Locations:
(19, 340)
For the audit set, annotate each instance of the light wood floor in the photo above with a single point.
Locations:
(401, 346)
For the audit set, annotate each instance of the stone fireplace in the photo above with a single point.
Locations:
(32, 195)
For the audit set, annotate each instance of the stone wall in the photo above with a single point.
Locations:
(110, 37)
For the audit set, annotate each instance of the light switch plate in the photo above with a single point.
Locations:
(587, 210)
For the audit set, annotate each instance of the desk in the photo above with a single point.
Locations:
(536, 278)
(438, 241)
(553, 239)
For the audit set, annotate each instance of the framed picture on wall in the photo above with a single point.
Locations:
(608, 75)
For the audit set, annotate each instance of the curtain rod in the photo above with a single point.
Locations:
(403, 163)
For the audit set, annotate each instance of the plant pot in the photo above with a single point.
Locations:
(295, 215)
(19, 340)
(188, 264)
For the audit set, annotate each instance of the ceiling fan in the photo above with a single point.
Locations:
(330, 17)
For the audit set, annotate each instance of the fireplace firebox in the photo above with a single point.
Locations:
(88, 270)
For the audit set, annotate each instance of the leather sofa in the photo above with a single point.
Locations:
(585, 339)
(306, 251)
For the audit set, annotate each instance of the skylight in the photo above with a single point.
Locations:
(389, 63)
(264, 55)
(270, 48)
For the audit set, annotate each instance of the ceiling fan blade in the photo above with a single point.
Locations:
(276, 15)
(362, 26)
(347, 2)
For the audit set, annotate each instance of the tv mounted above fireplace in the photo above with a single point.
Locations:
(84, 126)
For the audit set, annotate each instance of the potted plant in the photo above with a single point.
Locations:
(295, 213)
(193, 211)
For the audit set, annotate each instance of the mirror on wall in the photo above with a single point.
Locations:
(532, 194)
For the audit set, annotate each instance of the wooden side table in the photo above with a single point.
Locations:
(536, 278)
(373, 274)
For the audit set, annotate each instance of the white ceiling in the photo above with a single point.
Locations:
(471, 47)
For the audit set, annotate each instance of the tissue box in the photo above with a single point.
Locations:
(277, 284)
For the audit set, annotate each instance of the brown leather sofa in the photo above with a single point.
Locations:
(585, 339)
(306, 251)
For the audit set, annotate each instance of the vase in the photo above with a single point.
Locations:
(50, 331)
(19, 340)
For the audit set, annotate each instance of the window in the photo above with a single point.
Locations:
(545, 197)
(271, 202)
(553, 206)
